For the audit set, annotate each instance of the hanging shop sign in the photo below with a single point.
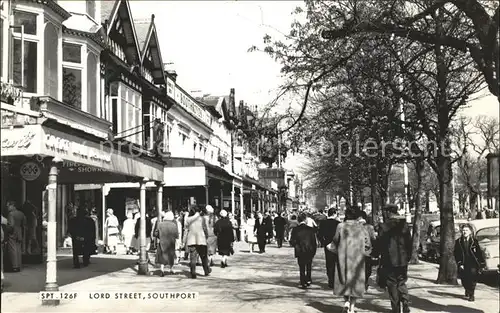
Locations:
(30, 170)
(21, 141)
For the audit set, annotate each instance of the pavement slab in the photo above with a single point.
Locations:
(252, 283)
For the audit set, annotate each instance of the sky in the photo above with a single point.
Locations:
(208, 43)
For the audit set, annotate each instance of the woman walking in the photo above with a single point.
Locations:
(212, 238)
(234, 224)
(251, 239)
(352, 245)
(128, 232)
(470, 260)
(112, 231)
(167, 232)
(223, 229)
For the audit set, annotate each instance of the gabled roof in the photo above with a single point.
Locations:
(120, 10)
(148, 41)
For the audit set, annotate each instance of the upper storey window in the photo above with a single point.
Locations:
(72, 74)
(25, 55)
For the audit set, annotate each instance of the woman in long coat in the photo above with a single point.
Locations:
(112, 231)
(128, 232)
(352, 245)
(223, 229)
(168, 233)
(212, 238)
(250, 237)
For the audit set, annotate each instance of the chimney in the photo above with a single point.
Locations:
(169, 70)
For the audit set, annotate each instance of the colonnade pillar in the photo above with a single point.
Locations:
(143, 257)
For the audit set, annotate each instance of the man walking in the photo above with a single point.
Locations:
(82, 231)
(279, 228)
(260, 230)
(327, 229)
(394, 247)
(304, 241)
(196, 241)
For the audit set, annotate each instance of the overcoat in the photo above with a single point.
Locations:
(167, 232)
(197, 231)
(225, 235)
(352, 244)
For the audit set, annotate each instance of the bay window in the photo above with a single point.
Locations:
(72, 74)
(25, 58)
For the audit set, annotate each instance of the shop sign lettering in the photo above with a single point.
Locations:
(18, 143)
(77, 149)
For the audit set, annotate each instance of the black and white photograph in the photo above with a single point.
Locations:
(242, 156)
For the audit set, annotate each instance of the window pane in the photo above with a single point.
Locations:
(51, 50)
(123, 115)
(72, 87)
(92, 85)
(138, 122)
(30, 64)
(72, 53)
(113, 89)
(26, 19)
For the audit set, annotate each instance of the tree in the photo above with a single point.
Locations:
(478, 40)
(477, 139)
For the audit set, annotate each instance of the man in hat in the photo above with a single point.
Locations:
(394, 247)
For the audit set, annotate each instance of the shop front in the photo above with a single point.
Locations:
(42, 163)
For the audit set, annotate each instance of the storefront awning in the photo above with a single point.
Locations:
(187, 172)
(82, 156)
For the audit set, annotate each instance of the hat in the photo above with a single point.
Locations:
(109, 211)
(223, 213)
(209, 209)
(169, 216)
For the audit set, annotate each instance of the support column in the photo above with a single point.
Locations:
(51, 278)
(143, 257)
(104, 193)
(251, 200)
(259, 203)
(232, 199)
(206, 195)
(159, 200)
(221, 204)
(242, 221)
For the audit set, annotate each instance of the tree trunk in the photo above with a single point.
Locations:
(418, 214)
(473, 204)
(447, 265)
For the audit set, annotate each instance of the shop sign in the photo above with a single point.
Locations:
(77, 149)
(30, 171)
(22, 142)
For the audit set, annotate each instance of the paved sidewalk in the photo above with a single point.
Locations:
(251, 283)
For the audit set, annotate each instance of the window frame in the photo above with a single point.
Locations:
(123, 128)
(82, 67)
(37, 38)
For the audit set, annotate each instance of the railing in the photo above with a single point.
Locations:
(186, 101)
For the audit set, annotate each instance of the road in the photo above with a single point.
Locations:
(252, 283)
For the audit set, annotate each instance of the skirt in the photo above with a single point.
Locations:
(166, 257)
(212, 245)
(112, 240)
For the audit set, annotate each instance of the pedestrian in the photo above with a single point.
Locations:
(178, 242)
(351, 244)
(196, 241)
(470, 260)
(128, 231)
(234, 224)
(394, 246)
(112, 231)
(137, 233)
(82, 231)
(167, 233)
(154, 220)
(269, 226)
(250, 237)
(17, 220)
(225, 237)
(93, 216)
(326, 232)
(279, 228)
(260, 230)
(363, 219)
(303, 240)
(212, 238)
(6, 230)
(292, 223)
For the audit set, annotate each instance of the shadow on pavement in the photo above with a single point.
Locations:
(32, 277)
(447, 294)
(426, 305)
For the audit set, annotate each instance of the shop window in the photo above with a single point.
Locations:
(92, 91)
(51, 66)
(29, 80)
(28, 20)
